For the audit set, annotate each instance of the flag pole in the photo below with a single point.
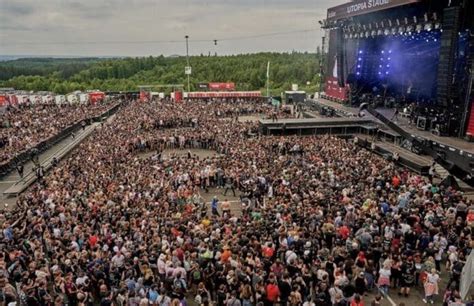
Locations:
(268, 79)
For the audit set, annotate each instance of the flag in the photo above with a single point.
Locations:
(268, 69)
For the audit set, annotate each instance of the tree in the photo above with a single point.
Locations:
(247, 71)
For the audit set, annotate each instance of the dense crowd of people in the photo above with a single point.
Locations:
(25, 126)
(321, 222)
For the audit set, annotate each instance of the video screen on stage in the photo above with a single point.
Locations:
(400, 65)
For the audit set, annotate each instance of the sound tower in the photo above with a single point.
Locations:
(340, 57)
(467, 123)
(451, 24)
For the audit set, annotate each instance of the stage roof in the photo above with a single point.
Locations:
(360, 7)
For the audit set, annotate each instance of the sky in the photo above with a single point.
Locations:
(147, 27)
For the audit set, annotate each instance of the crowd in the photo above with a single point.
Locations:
(322, 221)
(24, 127)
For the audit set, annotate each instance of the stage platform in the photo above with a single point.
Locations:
(417, 163)
(457, 143)
(316, 126)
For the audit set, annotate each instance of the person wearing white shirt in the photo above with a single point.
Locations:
(118, 260)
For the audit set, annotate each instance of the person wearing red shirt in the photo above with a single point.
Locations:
(268, 251)
(93, 241)
(357, 301)
(395, 181)
(272, 291)
(344, 232)
(226, 254)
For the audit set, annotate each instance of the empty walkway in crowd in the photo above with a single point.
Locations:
(11, 185)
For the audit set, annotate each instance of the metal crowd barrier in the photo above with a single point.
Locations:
(25, 156)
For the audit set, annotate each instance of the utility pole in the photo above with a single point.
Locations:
(187, 62)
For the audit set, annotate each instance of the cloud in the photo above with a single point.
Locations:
(63, 21)
(16, 8)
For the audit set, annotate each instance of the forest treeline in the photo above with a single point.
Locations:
(247, 71)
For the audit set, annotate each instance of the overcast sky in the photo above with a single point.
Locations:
(76, 27)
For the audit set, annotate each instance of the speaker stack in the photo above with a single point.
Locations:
(451, 24)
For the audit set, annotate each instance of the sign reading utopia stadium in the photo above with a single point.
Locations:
(363, 7)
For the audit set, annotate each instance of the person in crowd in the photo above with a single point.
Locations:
(431, 286)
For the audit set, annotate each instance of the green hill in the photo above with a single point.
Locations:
(248, 71)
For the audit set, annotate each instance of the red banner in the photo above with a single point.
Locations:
(333, 89)
(144, 96)
(225, 94)
(3, 100)
(178, 96)
(470, 124)
(221, 86)
(95, 97)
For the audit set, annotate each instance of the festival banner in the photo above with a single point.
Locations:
(360, 7)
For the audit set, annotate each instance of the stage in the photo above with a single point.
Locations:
(316, 126)
(414, 54)
(362, 129)
(403, 122)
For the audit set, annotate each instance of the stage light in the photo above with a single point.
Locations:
(419, 27)
(380, 66)
(386, 72)
(360, 58)
(394, 31)
(360, 52)
(389, 51)
(389, 58)
(358, 73)
(358, 66)
(435, 40)
(388, 66)
(401, 30)
(383, 51)
(428, 26)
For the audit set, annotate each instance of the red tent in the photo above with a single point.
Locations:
(3, 100)
(97, 96)
(144, 96)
